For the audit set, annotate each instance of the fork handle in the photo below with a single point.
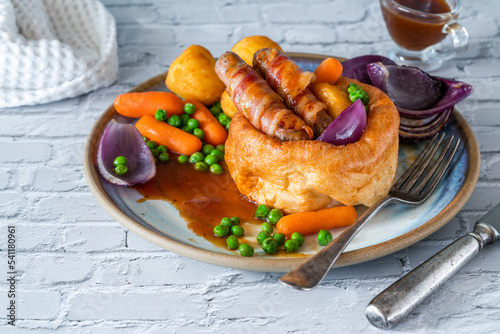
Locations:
(308, 275)
(395, 302)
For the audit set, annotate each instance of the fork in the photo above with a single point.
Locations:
(413, 188)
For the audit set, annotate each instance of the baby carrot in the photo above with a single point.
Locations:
(215, 134)
(147, 103)
(328, 71)
(164, 134)
(312, 222)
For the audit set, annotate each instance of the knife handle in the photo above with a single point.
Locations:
(395, 302)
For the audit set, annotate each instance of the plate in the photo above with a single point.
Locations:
(394, 228)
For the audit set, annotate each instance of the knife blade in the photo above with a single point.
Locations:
(395, 302)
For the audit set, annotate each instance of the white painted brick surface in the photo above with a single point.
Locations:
(81, 272)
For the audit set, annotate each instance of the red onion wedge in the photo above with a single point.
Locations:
(347, 127)
(416, 135)
(355, 68)
(121, 139)
(410, 87)
(414, 122)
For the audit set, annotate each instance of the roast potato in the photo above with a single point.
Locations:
(227, 105)
(336, 99)
(192, 76)
(246, 47)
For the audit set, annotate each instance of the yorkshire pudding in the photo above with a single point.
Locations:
(307, 175)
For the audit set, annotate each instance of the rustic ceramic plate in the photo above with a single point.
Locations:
(394, 228)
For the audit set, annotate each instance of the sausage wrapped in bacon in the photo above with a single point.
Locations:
(290, 82)
(257, 101)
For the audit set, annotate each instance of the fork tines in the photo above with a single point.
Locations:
(417, 185)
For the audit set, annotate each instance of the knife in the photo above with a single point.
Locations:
(395, 302)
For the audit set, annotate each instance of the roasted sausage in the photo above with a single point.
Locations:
(253, 96)
(287, 79)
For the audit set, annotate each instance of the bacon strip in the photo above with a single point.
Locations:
(258, 102)
(290, 82)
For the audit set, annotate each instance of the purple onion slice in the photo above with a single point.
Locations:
(449, 91)
(409, 87)
(428, 127)
(414, 122)
(347, 127)
(125, 140)
(355, 68)
(454, 92)
(415, 136)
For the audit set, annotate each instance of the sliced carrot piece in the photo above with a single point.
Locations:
(314, 221)
(215, 134)
(147, 103)
(330, 70)
(164, 134)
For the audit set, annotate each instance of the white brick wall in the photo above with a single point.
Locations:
(82, 272)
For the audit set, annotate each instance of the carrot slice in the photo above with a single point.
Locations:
(215, 134)
(328, 71)
(147, 103)
(164, 134)
(312, 222)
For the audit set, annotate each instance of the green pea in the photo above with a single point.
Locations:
(207, 149)
(217, 105)
(235, 220)
(365, 98)
(218, 153)
(356, 95)
(263, 235)
(352, 88)
(193, 124)
(291, 246)
(196, 157)
(274, 215)
(227, 221)
(221, 231)
(211, 159)
(270, 246)
(185, 119)
(189, 108)
(201, 166)
(262, 211)
(232, 242)
(279, 237)
(175, 120)
(183, 159)
(145, 139)
(199, 133)
(324, 237)
(155, 152)
(237, 231)
(152, 145)
(121, 169)
(187, 129)
(227, 126)
(121, 160)
(224, 119)
(267, 227)
(298, 237)
(221, 148)
(164, 157)
(215, 110)
(246, 250)
(162, 149)
(161, 115)
(216, 169)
